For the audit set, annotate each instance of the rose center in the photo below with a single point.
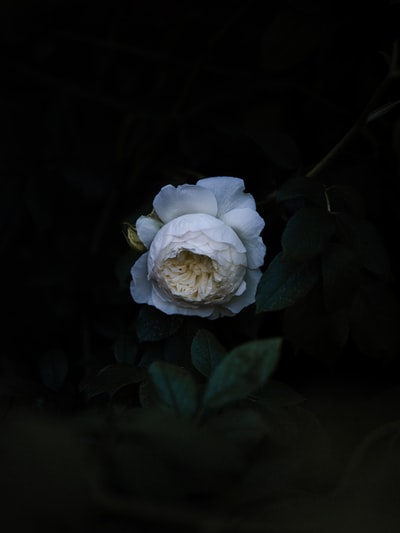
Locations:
(197, 278)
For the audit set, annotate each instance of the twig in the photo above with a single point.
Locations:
(393, 73)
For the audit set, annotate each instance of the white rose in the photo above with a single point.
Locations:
(204, 249)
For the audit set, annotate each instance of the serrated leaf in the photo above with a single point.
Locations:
(284, 283)
(152, 325)
(113, 378)
(242, 371)
(340, 276)
(306, 233)
(125, 349)
(175, 387)
(365, 240)
(206, 352)
(53, 366)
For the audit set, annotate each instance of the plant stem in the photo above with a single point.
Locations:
(394, 72)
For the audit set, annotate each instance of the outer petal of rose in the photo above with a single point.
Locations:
(228, 192)
(248, 224)
(141, 287)
(147, 227)
(172, 202)
(256, 251)
(170, 307)
(237, 303)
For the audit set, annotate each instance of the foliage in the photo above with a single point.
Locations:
(331, 260)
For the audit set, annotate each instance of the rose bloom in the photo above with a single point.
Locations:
(204, 249)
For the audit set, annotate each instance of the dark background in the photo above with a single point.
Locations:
(103, 103)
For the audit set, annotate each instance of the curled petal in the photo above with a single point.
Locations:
(256, 251)
(229, 193)
(248, 297)
(141, 287)
(172, 202)
(147, 228)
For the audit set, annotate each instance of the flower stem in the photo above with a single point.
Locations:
(394, 72)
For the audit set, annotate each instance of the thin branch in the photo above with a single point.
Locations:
(394, 72)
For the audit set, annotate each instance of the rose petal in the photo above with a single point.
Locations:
(172, 202)
(140, 286)
(198, 233)
(237, 303)
(171, 307)
(256, 251)
(228, 192)
(245, 221)
(248, 224)
(147, 228)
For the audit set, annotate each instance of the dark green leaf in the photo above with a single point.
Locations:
(306, 233)
(175, 387)
(206, 352)
(345, 198)
(113, 378)
(285, 282)
(365, 240)
(242, 371)
(340, 276)
(125, 349)
(53, 369)
(152, 325)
